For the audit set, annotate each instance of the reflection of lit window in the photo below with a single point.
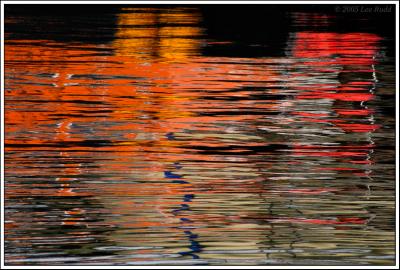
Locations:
(136, 33)
(169, 34)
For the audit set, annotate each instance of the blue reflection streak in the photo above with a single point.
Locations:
(195, 246)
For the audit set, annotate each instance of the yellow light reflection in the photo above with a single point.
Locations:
(172, 35)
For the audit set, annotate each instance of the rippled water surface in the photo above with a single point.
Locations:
(149, 136)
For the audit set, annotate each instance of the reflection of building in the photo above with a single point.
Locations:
(202, 157)
(345, 89)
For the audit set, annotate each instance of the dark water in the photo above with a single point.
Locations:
(152, 136)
